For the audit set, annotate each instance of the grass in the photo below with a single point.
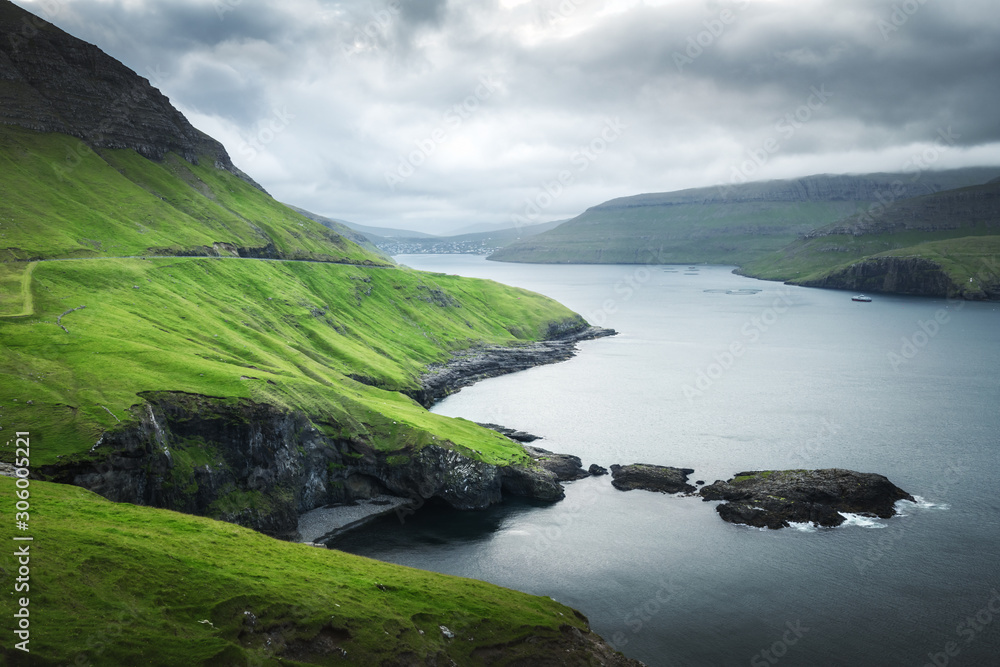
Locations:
(59, 198)
(292, 334)
(124, 585)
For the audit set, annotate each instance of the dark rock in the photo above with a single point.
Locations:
(774, 498)
(262, 467)
(597, 470)
(513, 434)
(536, 483)
(700, 482)
(664, 479)
(565, 467)
(51, 81)
(477, 364)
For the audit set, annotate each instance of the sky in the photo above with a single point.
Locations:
(443, 116)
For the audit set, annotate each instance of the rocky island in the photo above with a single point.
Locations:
(664, 479)
(777, 498)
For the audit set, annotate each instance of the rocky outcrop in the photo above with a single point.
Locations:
(471, 366)
(896, 275)
(261, 467)
(51, 81)
(513, 434)
(664, 479)
(565, 467)
(776, 498)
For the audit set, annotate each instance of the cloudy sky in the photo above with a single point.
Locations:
(440, 115)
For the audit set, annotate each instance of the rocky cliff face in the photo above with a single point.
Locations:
(895, 275)
(974, 208)
(51, 81)
(260, 467)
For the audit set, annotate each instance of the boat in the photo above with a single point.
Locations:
(862, 298)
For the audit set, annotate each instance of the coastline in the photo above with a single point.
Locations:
(323, 524)
(471, 366)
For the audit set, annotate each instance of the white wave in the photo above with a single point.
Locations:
(805, 527)
(862, 521)
(903, 506)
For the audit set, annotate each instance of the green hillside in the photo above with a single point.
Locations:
(290, 334)
(950, 240)
(60, 198)
(713, 233)
(116, 584)
(722, 225)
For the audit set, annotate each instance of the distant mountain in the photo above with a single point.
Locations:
(943, 244)
(51, 81)
(726, 224)
(385, 232)
(341, 228)
(477, 243)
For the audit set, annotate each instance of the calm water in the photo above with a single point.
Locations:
(707, 375)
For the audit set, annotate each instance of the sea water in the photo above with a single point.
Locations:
(721, 373)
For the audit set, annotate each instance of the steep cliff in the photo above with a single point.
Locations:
(258, 466)
(51, 81)
(942, 244)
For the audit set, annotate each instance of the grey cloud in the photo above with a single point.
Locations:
(369, 80)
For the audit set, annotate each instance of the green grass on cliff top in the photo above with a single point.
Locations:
(124, 585)
(59, 198)
(335, 340)
(293, 334)
(961, 254)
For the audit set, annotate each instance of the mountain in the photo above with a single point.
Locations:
(723, 225)
(476, 243)
(51, 81)
(943, 244)
(401, 242)
(341, 228)
(174, 337)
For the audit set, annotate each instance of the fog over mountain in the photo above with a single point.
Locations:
(439, 115)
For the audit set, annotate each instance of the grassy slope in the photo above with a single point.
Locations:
(198, 325)
(679, 233)
(58, 198)
(957, 229)
(126, 585)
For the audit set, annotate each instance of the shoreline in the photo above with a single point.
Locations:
(319, 526)
(471, 366)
